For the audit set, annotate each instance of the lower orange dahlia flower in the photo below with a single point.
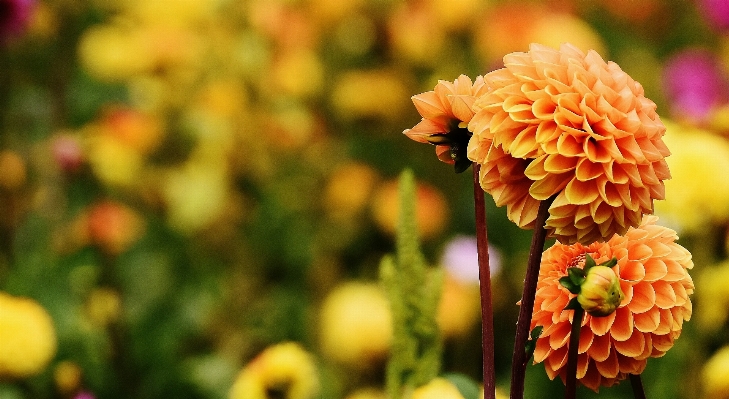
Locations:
(653, 272)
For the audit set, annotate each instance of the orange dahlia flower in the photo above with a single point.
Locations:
(565, 124)
(653, 272)
(446, 112)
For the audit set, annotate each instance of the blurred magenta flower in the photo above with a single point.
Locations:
(14, 15)
(694, 84)
(460, 259)
(716, 13)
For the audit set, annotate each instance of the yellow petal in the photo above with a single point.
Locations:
(581, 193)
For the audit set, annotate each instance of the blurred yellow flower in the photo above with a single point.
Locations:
(367, 393)
(113, 53)
(284, 370)
(369, 94)
(196, 193)
(103, 306)
(27, 337)
(713, 295)
(67, 376)
(13, 170)
(416, 34)
(344, 199)
(356, 324)
(500, 394)
(112, 161)
(140, 131)
(460, 307)
(439, 388)
(298, 72)
(178, 13)
(456, 14)
(330, 11)
(431, 209)
(512, 26)
(715, 375)
(695, 197)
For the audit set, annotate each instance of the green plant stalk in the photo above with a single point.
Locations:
(571, 382)
(519, 358)
(413, 290)
(484, 273)
(637, 384)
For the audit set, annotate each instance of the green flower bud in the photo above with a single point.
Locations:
(600, 293)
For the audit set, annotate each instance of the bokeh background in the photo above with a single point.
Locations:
(184, 183)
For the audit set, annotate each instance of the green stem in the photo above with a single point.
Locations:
(637, 385)
(519, 358)
(484, 272)
(571, 383)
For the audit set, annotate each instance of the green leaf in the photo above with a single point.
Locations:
(589, 262)
(531, 344)
(577, 276)
(462, 164)
(612, 262)
(566, 282)
(572, 304)
(469, 388)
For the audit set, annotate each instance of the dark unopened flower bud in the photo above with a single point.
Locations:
(600, 293)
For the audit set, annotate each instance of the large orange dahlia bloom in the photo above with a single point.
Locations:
(446, 111)
(653, 272)
(568, 124)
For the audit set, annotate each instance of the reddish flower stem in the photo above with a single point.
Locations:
(519, 358)
(571, 383)
(484, 272)
(637, 385)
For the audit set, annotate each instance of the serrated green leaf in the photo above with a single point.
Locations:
(566, 282)
(577, 277)
(572, 304)
(531, 344)
(589, 262)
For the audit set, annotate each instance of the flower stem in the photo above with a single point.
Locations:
(637, 385)
(484, 271)
(519, 358)
(571, 383)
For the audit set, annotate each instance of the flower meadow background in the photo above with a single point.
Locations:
(184, 183)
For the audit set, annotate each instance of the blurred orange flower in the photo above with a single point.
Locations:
(653, 272)
(446, 112)
(564, 124)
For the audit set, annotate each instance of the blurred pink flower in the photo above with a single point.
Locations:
(716, 13)
(694, 84)
(14, 15)
(460, 259)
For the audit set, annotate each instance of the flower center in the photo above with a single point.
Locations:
(457, 140)
(577, 261)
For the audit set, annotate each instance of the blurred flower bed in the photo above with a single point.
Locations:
(195, 195)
